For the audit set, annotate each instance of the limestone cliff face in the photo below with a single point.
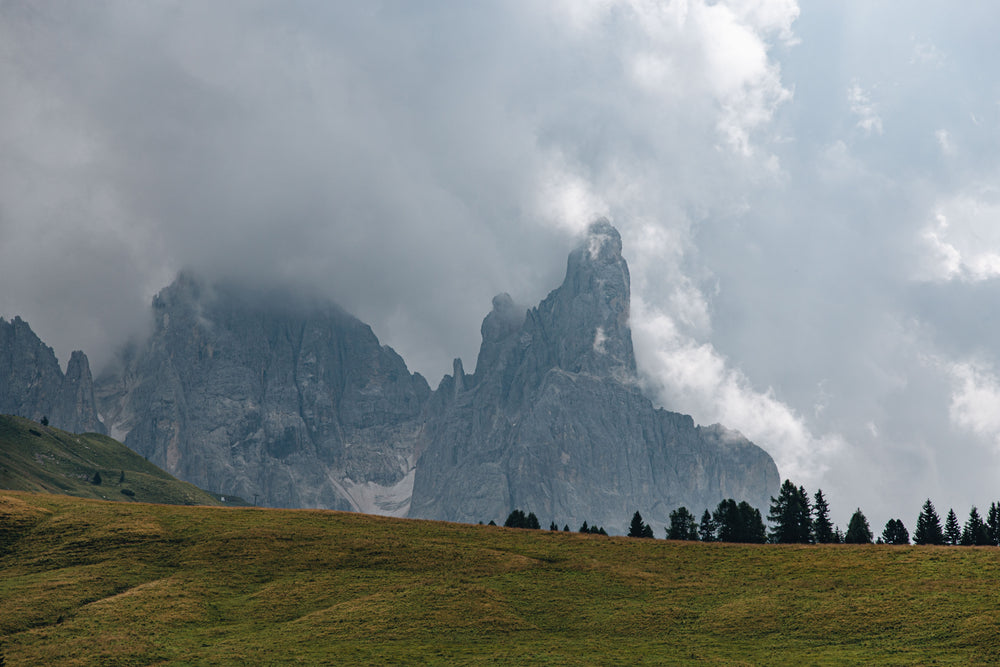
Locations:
(33, 386)
(269, 395)
(553, 420)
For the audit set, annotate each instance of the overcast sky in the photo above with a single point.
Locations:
(809, 196)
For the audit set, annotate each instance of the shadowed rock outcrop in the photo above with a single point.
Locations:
(33, 386)
(276, 396)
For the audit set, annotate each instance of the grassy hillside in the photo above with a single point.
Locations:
(85, 582)
(41, 458)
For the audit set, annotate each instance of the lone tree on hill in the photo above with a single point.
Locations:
(683, 525)
(858, 531)
(928, 526)
(639, 529)
(790, 514)
(96, 479)
(952, 530)
(822, 526)
(895, 533)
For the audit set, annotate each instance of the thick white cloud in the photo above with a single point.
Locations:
(975, 402)
(963, 242)
(693, 377)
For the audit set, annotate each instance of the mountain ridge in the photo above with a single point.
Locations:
(269, 393)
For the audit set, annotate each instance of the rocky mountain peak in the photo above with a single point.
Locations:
(587, 317)
(555, 423)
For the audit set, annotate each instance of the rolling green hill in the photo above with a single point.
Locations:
(45, 459)
(86, 582)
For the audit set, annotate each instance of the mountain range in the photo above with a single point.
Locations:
(288, 399)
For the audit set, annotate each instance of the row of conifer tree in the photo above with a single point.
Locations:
(795, 519)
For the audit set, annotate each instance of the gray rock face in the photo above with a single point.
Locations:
(268, 395)
(33, 386)
(553, 420)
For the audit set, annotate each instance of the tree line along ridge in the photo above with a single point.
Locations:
(795, 518)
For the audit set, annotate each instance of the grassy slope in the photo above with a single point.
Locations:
(40, 458)
(90, 582)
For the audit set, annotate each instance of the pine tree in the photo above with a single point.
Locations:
(683, 525)
(553, 527)
(584, 528)
(752, 522)
(637, 528)
(838, 535)
(727, 519)
(928, 526)
(96, 479)
(952, 530)
(858, 530)
(993, 523)
(790, 516)
(707, 527)
(822, 526)
(515, 519)
(975, 532)
(739, 522)
(566, 528)
(895, 533)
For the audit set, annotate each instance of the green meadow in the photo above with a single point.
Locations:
(90, 582)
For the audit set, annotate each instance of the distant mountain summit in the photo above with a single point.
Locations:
(553, 419)
(268, 395)
(32, 385)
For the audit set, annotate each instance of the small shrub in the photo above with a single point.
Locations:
(128, 492)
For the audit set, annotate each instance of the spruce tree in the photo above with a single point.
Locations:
(727, 520)
(584, 528)
(975, 532)
(637, 528)
(952, 529)
(822, 526)
(707, 528)
(790, 516)
(752, 523)
(553, 527)
(515, 519)
(993, 523)
(532, 522)
(928, 526)
(683, 525)
(739, 522)
(895, 533)
(858, 531)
